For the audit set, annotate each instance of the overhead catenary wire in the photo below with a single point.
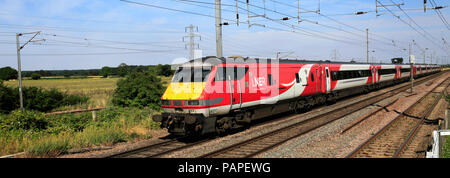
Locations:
(423, 35)
(154, 43)
(268, 27)
(286, 27)
(82, 54)
(104, 46)
(89, 44)
(304, 32)
(440, 15)
(332, 19)
(115, 22)
(71, 29)
(294, 27)
(412, 20)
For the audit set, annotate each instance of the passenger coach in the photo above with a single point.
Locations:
(213, 95)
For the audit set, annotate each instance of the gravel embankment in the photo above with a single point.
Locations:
(328, 142)
(157, 136)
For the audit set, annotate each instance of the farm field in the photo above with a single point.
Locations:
(98, 89)
(75, 131)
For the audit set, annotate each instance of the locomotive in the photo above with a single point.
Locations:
(215, 95)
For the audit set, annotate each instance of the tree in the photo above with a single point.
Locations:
(122, 70)
(7, 73)
(139, 89)
(8, 99)
(106, 71)
(67, 74)
(398, 60)
(164, 70)
(35, 76)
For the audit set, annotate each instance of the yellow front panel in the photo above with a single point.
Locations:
(184, 91)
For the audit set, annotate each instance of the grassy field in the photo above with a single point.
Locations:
(98, 89)
(68, 131)
(74, 131)
(446, 148)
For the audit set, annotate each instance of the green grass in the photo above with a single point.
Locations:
(446, 148)
(68, 131)
(98, 89)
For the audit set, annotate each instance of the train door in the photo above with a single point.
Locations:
(302, 78)
(375, 70)
(373, 74)
(327, 80)
(297, 84)
(396, 72)
(319, 80)
(313, 79)
(236, 87)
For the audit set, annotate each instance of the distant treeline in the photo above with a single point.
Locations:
(122, 70)
(47, 73)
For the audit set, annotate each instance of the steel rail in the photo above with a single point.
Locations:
(382, 130)
(327, 120)
(419, 124)
(166, 147)
(157, 149)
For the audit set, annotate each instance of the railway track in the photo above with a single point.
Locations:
(172, 145)
(262, 143)
(393, 139)
(158, 149)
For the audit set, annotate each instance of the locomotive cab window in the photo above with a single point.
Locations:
(312, 77)
(235, 73)
(191, 74)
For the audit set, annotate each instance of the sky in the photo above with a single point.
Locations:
(90, 34)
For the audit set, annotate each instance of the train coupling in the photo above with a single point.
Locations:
(181, 124)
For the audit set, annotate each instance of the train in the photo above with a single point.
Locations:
(216, 95)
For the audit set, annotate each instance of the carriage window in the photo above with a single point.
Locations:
(334, 75)
(348, 74)
(405, 70)
(386, 71)
(297, 78)
(326, 71)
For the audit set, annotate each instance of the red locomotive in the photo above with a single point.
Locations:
(213, 94)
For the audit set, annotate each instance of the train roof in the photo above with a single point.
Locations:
(213, 60)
